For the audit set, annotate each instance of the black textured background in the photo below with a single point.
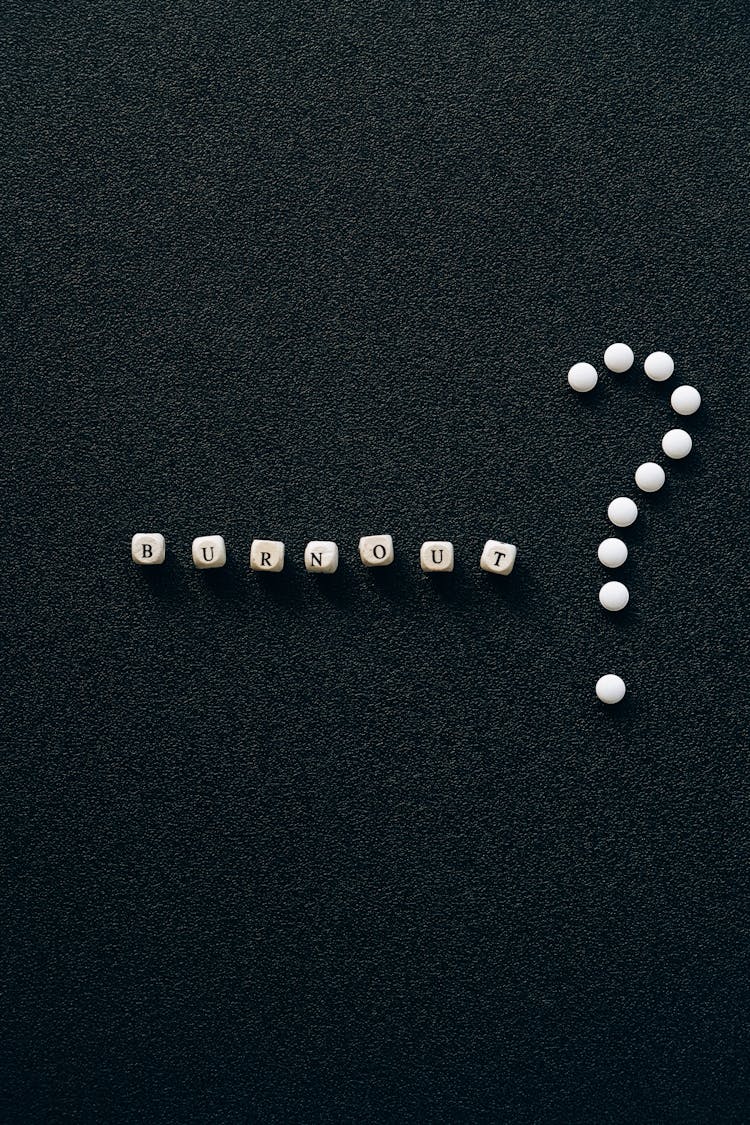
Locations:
(366, 849)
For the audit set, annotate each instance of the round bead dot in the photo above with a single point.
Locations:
(618, 357)
(610, 689)
(649, 477)
(685, 400)
(622, 511)
(658, 366)
(612, 552)
(583, 377)
(677, 444)
(614, 596)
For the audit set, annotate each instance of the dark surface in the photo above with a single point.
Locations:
(366, 848)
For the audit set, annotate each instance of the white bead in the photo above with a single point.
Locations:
(658, 366)
(614, 596)
(321, 557)
(650, 477)
(148, 548)
(618, 357)
(622, 511)
(436, 556)
(267, 555)
(583, 377)
(376, 550)
(677, 444)
(685, 400)
(612, 552)
(610, 689)
(209, 551)
(498, 557)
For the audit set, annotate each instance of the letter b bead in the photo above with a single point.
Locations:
(436, 556)
(148, 549)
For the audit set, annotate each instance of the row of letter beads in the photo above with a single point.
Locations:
(321, 556)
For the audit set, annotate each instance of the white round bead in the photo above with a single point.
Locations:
(614, 596)
(658, 366)
(612, 552)
(622, 511)
(583, 377)
(618, 357)
(610, 689)
(650, 477)
(685, 400)
(677, 444)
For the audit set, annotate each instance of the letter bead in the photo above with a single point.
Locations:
(376, 550)
(267, 555)
(148, 548)
(209, 551)
(498, 557)
(436, 556)
(321, 557)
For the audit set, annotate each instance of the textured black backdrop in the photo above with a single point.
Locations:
(366, 849)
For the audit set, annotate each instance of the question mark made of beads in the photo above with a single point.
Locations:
(649, 477)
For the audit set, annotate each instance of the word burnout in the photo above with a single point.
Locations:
(321, 556)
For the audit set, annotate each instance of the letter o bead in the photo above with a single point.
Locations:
(436, 556)
(376, 550)
(148, 548)
(498, 557)
(209, 551)
(321, 557)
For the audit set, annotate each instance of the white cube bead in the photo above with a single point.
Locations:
(583, 377)
(148, 548)
(685, 400)
(321, 557)
(610, 689)
(498, 557)
(614, 596)
(622, 511)
(267, 555)
(612, 552)
(650, 477)
(658, 366)
(436, 556)
(209, 551)
(376, 550)
(618, 357)
(677, 444)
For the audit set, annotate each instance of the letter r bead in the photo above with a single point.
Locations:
(267, 555)
(148, 549)
(498, 557)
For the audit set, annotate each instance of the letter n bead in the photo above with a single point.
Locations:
(148, 549)
(267, 555)
(436, 556)
(321, 557)
(209, 551)
(498, 557)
